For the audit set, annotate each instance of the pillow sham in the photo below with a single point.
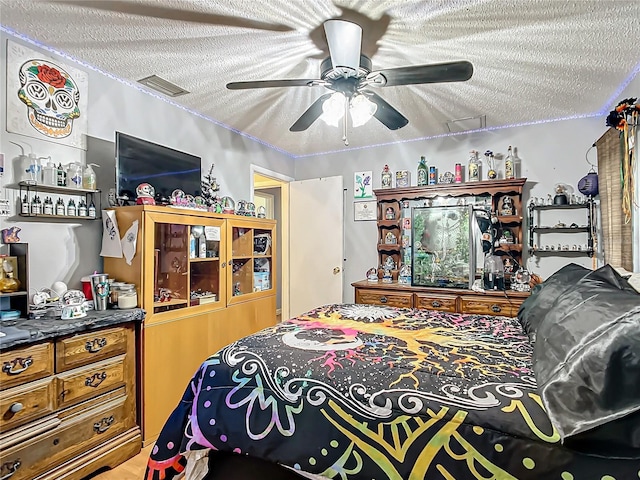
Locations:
(535, 307)
(587, 356)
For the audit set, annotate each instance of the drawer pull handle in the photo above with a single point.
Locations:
(95, 345)
(103, 425)
(12, 467)
(95, 380)
(436, 304)
(383, 299)
(496, 308)
(16, 407)
(17, 366)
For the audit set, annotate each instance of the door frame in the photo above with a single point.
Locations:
(279, 181)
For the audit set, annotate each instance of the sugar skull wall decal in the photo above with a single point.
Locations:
(47, 98)
(51, 95)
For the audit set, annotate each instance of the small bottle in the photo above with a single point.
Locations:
(91, 211)
(36, 206)
(386, 177)
(193, 245)
(423, 174)
(71, 208)
(433, 175)
(61, 176)
(60, 210)
(202, 246)
(82, 208)
(473, 172)
(47, 208)
(25, 208)
(509, 172)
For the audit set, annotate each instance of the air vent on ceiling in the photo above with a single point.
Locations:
(163, 86)
(467, 124)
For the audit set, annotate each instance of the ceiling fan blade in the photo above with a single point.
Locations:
(300, 82)
(417, 74)
(386, 114)
(310, 115)
(345, 41)
(149, 9)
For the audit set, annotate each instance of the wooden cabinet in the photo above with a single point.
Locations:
(501, 303)
(69, 408)
(502, 198)
(198, 299)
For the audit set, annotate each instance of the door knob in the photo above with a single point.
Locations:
(336, 270)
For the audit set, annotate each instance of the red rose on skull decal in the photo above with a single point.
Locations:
(51, 76)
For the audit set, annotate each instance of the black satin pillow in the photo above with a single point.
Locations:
(535, 307)
(587, 359)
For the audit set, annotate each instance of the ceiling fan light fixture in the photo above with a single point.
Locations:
(333, 109)
(361, 110)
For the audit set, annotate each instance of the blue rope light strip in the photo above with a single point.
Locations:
(603, 111)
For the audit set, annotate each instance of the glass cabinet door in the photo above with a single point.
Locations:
(187, 268)
(171, 268)
(251, 261)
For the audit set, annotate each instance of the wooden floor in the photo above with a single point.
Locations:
(132, 469)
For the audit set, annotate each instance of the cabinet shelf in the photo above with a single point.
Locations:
(388, 247)
(567, 253)
(560, 229)
(509, 219)
(569, 206)
(19, 293)
(206, 259)
(388, 223)
(57, 217)
(51, 188)
(513, 247)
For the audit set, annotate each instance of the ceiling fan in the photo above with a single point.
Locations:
(350, 77)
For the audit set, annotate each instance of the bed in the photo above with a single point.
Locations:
(365, 392)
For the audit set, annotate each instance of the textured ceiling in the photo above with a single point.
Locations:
(534, 60)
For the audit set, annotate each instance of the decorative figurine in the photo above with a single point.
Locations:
(560, 197)
(386, 177)
(145, 194)
(210, 187)
(433, 175)
(423, 175)
(387, 276)
(458, 173)
(10, 235)
(492, 174)
(389, 263)
(390, 214)
(228, 205)
(390, 238)
(372, 275)
(404, 276)
(507, 206)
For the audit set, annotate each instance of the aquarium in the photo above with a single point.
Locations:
(443, 252)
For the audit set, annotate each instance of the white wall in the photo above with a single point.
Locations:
(68, 251)
(550, 153)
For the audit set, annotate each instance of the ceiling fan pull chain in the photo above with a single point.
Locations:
(345, 121)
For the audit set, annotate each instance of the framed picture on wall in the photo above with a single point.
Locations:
(362, 185)
(364, 211)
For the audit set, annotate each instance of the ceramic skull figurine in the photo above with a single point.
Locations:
(51, 97)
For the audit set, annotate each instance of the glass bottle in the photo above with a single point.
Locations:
(202, 245)
(386, 177)
(71, 208)
(61, 176)
(509, 170)
(82, 208)
(60, 210)
(473, 171)
(25, 205)
(91, 211)
(423, 174)
(193, 245)
(47, 208)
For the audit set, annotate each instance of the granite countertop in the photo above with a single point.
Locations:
(24, 331)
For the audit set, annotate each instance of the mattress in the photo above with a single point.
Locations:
(366, 392)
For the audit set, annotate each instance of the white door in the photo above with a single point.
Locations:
(316, 209)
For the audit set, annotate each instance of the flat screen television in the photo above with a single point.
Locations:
(140, 161)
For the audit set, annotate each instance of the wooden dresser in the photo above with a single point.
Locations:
(68, 401)
(394, 294)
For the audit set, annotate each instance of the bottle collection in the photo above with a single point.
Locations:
(36, 206)
(428, 174)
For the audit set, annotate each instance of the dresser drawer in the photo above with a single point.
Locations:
(90, 347)
(489, 306)
(23, 403)
(386, 298)
(92, 380)
(78, 433)
(26, 364)
(428, 301)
